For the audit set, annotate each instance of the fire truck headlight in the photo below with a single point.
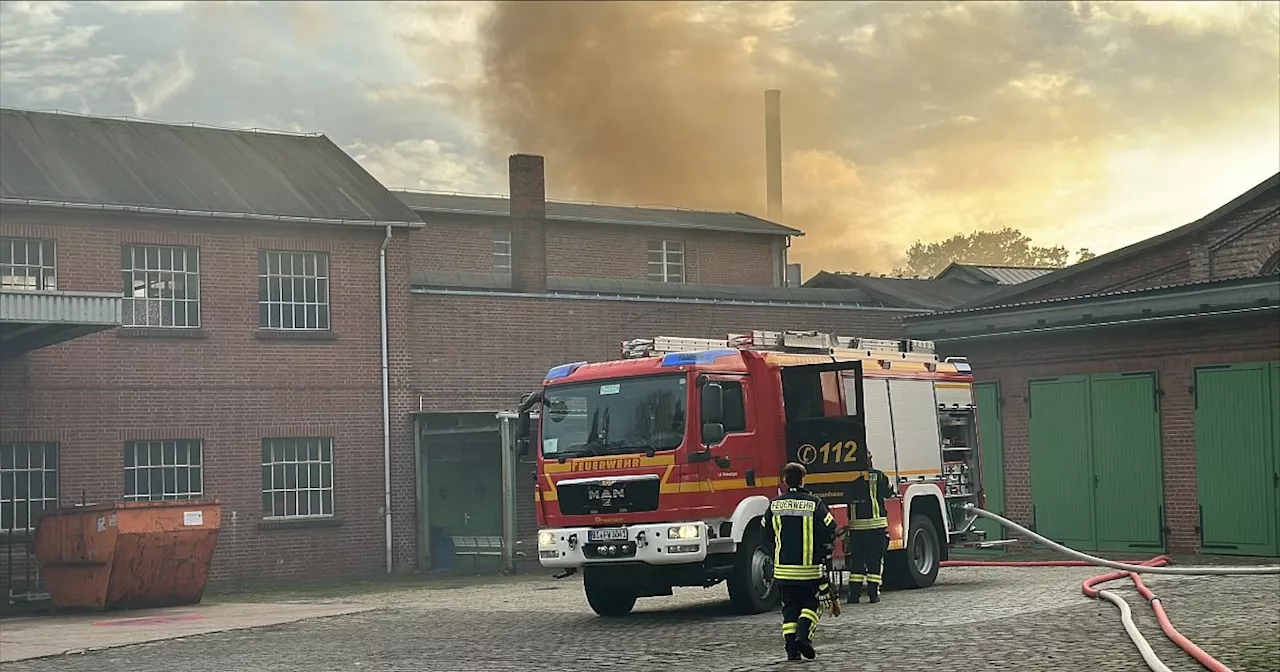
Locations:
(684, 532)
(546, 538)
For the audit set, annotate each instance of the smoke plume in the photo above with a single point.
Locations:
(901, 121)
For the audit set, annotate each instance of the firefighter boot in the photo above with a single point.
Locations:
(805, 647)
(873, 592)
(793, 651)
(855, 592)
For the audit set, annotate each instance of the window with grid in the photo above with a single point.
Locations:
(293, 290)
(28, 484)
(501, 251)
(161, 286)
(297, 477)
(666, 261)
(163, 470)
(28, 264)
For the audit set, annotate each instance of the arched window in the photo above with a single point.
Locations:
(1272, 267)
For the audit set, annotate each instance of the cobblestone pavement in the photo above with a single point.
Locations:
(973, 619)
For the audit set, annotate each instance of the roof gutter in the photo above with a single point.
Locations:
(641, 298)
(1229, 312)
(211, 214)
(781, 231)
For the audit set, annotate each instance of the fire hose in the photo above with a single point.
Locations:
(1156, 565)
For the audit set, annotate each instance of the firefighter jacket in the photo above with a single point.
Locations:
(801, 532)
(867, 512)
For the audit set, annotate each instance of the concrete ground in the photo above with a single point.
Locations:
(973, 619)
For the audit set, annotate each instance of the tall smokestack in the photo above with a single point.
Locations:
(773, 151)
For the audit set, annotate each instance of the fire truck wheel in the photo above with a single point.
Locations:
(916, 566)
(751, 586)
(608, 599)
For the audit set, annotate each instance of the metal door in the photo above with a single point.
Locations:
(1062, 460)
(991, 441)
(1236, 458)
(1128, 482)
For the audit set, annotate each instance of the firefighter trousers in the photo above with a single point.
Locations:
(799, 610)
(866, 559)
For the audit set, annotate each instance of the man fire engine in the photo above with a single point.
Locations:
(655, 471)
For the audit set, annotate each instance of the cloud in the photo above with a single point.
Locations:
(156, 83)
(426, 164)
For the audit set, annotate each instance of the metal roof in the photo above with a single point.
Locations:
(593, 213)
(931, 294)
(31, 320)
(675, 292)
(66, 160)
(1001, 275)
(1205, 299)
(1268, 185)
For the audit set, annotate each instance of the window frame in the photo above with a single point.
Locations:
(133, 468)
(666, 249)
(9, 470)
(43, 282)
(324, 445)
(153, 277)
(306, 279)
(502, 237)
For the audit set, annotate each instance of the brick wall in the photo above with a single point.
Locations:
(1237, 246)
(482, 353)
(1172, 351)
(465, 243)
(225, 383)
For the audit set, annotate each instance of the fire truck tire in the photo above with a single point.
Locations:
(915, 566)
(608, 599)
(751, 586)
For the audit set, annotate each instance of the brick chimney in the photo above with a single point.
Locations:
(528, 223)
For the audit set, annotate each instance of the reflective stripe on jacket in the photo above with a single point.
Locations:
(868, 501)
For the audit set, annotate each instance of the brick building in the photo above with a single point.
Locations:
(242, 270)
(1130, 401)
(481, 336)
(233, 349)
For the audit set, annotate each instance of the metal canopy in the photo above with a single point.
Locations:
(32, 320)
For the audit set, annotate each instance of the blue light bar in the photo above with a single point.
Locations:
(562, 371)
(688, 358)
(963, 368)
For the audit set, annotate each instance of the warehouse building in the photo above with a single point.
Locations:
(1130, 403)
(191, 312)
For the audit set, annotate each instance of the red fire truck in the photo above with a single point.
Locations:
(653, 471)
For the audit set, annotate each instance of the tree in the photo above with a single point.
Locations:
(1005, 247)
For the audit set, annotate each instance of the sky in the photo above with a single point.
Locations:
(1085, 124)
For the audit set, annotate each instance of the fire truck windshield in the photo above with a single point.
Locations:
(614, 417)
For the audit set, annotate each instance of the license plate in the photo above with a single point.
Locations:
(616, 534)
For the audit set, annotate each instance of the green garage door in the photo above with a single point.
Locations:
(1061, 461)
(1095, 452)
(991, 439)
(1237, 457)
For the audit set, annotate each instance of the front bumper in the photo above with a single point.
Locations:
(647, 543)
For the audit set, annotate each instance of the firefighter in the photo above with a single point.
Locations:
(868, 533)
(801, 532)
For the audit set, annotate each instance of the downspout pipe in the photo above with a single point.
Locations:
(386, 398)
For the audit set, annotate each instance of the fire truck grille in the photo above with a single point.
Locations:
(608, 497)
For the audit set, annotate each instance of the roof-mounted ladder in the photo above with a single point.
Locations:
(800, 342)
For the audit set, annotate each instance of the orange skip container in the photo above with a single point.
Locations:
(128, 555)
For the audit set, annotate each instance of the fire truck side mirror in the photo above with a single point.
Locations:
(522, 433)
(712, 433)
(712, 396)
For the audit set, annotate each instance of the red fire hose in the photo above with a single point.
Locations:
(1089, 589)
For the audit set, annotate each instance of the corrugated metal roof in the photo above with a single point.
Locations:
(1010, 275)
(932, 294)
(77, 161)
(1175, 287)
(599, 214)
